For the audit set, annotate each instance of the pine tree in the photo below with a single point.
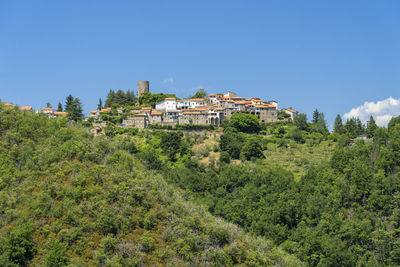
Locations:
(48, 105)
(120, 98)
(110, 98)
(100, 105)
(338, 126)
(316, 116)
(77, 113)
(60, 108)
(371, 126)
(322, 122)
(69, 103)
(131, 98)
(74, 107)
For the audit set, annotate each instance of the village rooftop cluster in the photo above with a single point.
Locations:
(211, 110)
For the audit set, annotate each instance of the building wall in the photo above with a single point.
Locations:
(266, 115)
(139, 122)
(196, 119)
(170, 116)
(155, 119)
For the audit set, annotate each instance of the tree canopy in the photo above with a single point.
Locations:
(120, 98)
(74, 108)
(244, 122)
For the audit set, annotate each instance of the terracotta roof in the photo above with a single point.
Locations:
(140, 115)
(48, 109)
(242, 102)
(170, 98)
(26, 108)
(60, 113)
(290, 110)
(156, 113)
(219, 109)
(93, 111)
(212, 95)
(105, 109)
(8, 105)
(265, 106)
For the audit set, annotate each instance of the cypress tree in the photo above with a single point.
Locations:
(371, 126)
(100, 105)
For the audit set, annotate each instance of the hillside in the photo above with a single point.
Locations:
(68, 198)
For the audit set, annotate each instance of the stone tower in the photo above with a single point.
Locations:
(142, 87)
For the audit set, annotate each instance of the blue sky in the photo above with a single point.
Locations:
(330, 55)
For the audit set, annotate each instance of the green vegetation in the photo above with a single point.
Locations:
(344, 210)
(74, 108)
(118, 99)
(150, 100)
(132, 198)
(244, 122)
(201, 93)
(70, 199)
(188, 127)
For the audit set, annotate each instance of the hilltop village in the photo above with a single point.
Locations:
(168, 112)
(209, 110)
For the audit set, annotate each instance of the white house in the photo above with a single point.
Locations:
(168, 104)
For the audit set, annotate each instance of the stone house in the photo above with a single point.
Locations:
(293, 113)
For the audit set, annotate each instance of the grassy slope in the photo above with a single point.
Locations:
(297, 158)
(84, 201)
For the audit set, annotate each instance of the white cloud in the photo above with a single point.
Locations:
(382, 111)
(169, 80)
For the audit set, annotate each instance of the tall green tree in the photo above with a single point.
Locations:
(74, 107)
(110, 98)
(301, 122)
(371, 126)
(316, 116)
(120, 98)
(100, 104)
(319, 123)
(338, 125)
(354, 127)
(322, 122)
(48, 105)
(60, 107)
(69, 103)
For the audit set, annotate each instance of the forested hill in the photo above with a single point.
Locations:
(68, 198)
